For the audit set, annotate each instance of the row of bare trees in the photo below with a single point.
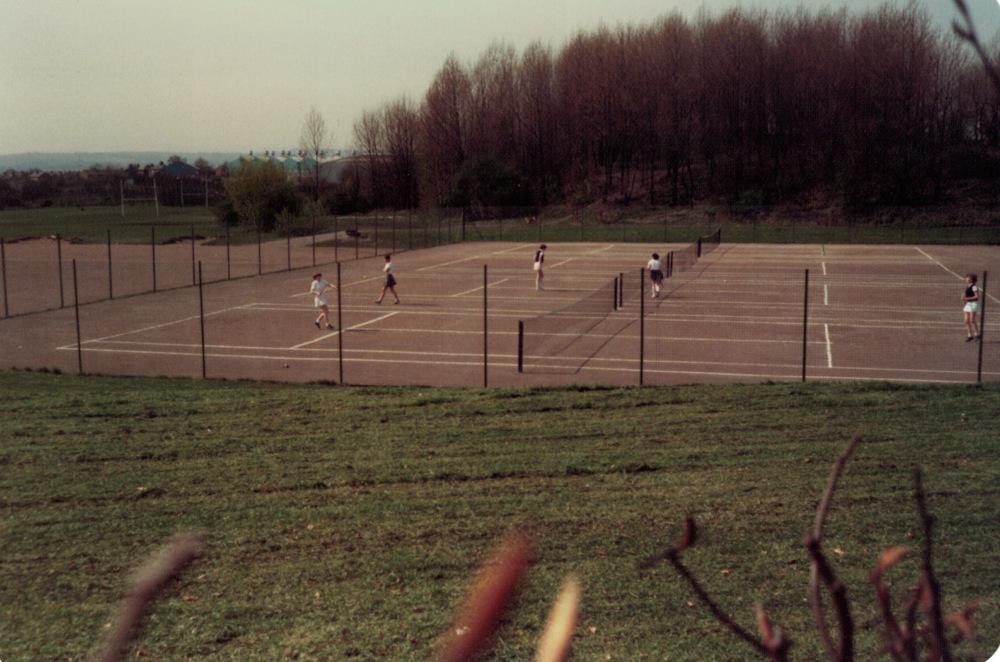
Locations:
(880, 107)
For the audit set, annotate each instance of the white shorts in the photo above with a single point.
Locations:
(971, 307)
(319, 301)
(538, 266)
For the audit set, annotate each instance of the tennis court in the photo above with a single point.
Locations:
(736, 314)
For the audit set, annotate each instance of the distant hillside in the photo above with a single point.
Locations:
(66, 161)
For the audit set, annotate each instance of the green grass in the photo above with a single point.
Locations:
(92, 223)
(345, 523)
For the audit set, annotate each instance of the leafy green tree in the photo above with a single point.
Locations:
(259, 192)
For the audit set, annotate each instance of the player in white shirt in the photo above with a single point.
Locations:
(539, 266)
(390, 281)
(971, 301)
(655, 275)
(318, 289)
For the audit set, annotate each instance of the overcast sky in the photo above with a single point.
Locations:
(235, 75)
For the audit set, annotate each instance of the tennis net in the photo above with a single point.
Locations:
(687, 257)
(552, 334)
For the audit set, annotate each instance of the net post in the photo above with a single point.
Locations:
(201, 317)
(520, 346)
(152, 249)
(486, 335)
(982, 328)
(62, 295)
(340, 329)
(698, 254)
(621, 290)
(76, 311)
(111, 287)
(805, 323)
(3, 275)
(642, 327)
(614, 295)
(192, 256)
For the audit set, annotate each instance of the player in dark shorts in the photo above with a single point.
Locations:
(655, 275)
(390, 280)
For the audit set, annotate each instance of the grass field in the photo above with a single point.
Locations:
(345, 523)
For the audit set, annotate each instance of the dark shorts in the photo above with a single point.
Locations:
(656, 276)
(390, 281)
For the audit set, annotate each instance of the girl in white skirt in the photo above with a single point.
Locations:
(655, 275)
(390, 281)
(538, 266)
(318, 289)
(971, 300)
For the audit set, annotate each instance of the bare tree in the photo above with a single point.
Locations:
(313, 143)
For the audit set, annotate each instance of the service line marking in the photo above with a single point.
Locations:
(829, 348)
(824, 267)
(937, 262)
(476, 289)
(826, 294)
(350, 328)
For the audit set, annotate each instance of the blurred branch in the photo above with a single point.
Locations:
(844, 652)
(557, 638)
(149, 581)
(968, 33)
(819, 612)
(938, 640)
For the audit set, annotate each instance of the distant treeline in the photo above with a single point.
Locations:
(752, 107)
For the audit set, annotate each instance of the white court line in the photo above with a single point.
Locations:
(559, 264)
(160, 326)
(472, 257)
(949, 270)
(829, 349)
(476, 289)
(600, 250)
(824, 267)
(350, 328)
(826, 295)
(357, 282)
(515, 248)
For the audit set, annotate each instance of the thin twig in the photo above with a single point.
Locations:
(819, 612)
(894, 635)
(845, 652)
(939, 640)
(149, 581)
(968, 33)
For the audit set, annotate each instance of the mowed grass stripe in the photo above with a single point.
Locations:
(346, 522)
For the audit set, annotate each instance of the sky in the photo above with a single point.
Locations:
(239, 75)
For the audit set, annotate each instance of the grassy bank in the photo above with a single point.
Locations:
(345, 523)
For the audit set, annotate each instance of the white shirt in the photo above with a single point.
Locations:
(317, 287)
(653, 265)
(387, 268)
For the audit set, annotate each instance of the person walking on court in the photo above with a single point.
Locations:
(538, 267)
(318, 289)
(390, 280)
(655, 275)
(971, 300)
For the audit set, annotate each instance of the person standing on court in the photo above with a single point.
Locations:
(971, 299)
(318, 289)
(655, 275)
(539, 266)
(390, 280)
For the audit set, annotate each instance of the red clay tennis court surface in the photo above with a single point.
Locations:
(874, 313)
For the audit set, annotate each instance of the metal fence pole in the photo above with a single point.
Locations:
(520, 346)
(260, 264)
(336, 240)
(642, 327)
(340, 328)
(288, 251)
(486, 334)
(192, 256)
(805, 323)
(62, 296)
(201, 316)
(111, 287)
(376, 236)
(314, 240)
(3, 276)
(614, 295)
(621, 289)
(982, 328)
(152, 249)
(357, 239)
(76, 310)
(229, 273)
(393, 217)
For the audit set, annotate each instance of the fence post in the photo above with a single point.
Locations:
(642, 327)
(621, 290)
(229, 274)
(340, 329)
(357, 239)
(62, 297)
(288, 251)
(192, 256)
(314, 240)
(201, 316)
(614, 295)
(152, 248)
(76, 310)
(393, 217)
(3, 276)
(111, 287)
(805, 324)
(486, 335)
(336, 240)
(376, 236)
(982, 328)
(520, 346)
(260, 266)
